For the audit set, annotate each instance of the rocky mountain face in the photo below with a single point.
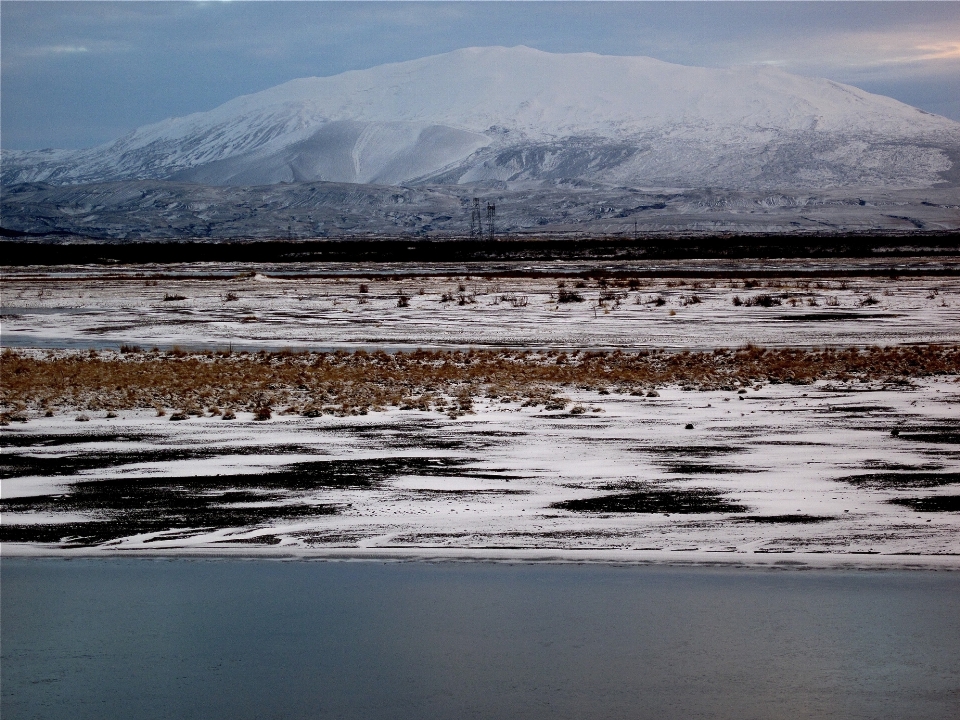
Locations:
(517, 118)
(164, 209)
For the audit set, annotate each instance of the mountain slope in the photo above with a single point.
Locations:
(517, 115)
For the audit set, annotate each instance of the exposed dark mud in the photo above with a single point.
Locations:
(935, 503)
(947, 437)
(903, 479)
(786, 519)
(705, 469)
(880, 465)
(120, 508)
(10, 438)
(655, 501)
(692, 451)
(47, 465)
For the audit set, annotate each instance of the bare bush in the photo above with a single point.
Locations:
(569, 296)
(762, 300)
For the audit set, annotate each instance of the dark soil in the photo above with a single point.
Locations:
(903, 479)
(124, 507)
(655, 501)
(935, 503)
(698, 469)
(949, 437)
(693, 451)
(786, 519)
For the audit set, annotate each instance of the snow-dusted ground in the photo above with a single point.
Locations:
(813, 467)
(106, 308)
(483, 485)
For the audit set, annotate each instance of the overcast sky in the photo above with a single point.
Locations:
(75, 74)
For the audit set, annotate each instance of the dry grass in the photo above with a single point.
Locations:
(348, 383)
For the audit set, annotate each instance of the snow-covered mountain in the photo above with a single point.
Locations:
(524, 117)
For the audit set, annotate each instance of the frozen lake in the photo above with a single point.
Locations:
(175, 638)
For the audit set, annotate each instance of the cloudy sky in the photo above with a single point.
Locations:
(75, 74)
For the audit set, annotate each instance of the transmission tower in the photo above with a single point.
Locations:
(491, 218)
(476, 221)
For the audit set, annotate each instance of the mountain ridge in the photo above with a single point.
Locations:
(518, 117)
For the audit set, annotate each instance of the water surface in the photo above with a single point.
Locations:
(162, 638)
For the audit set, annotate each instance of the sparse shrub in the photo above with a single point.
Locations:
(177, 416)
(126, 349)
(262, 413)
(364, 288)
(577, 410)
(347, 383)
(869, 300)
(167, 297)
(610, 295)
(580, 284)
(762, 300)
(229, 415)
(82, 418)
(403, 301)
(515, 300)
(569, 296)
(231, 297)
(832, 301)
(446, 297)
(737, 301)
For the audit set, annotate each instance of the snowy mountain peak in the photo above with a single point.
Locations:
(497, 114)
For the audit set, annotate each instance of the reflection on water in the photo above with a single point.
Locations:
(137, 638)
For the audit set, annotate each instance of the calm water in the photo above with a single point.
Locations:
(135, 638)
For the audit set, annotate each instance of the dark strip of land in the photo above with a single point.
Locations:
(20, 249)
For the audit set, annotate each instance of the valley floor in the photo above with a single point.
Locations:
(857, 468)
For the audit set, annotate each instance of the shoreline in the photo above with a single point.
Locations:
(770, 560)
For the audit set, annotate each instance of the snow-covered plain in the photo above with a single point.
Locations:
(813, 466)
(320, 307)
(796, 474)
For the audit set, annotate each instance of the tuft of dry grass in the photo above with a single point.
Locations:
(344, 383)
